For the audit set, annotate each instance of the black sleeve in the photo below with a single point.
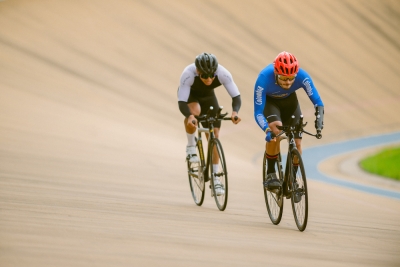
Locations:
(319, 117)
(236, 103)
(183, 107)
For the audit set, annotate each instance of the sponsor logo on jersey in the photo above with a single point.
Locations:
(261, 120)
(307, 84)
(259, 95)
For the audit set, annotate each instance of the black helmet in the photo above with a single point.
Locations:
(206, 63)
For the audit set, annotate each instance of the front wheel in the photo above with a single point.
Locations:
(196, 178)
(299, 190)
(218, 174)
(273, 199)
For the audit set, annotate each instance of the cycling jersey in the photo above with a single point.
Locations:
(191, 85)
(190, 80)
(266, 85)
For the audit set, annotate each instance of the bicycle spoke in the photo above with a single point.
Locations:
(219, 176)
(196, 180)
(299, 194)
(273, 201)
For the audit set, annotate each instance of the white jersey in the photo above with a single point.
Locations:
(189, 76)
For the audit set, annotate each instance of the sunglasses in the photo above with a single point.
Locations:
(286, 78)
(206, 76)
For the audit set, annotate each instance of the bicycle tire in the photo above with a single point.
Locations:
(219, 174)
(273, 200)
(299, 191)
(196, 179)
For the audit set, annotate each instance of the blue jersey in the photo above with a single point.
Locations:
(267, 86)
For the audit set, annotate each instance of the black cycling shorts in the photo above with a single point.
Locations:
(282, 110)
(205, 102)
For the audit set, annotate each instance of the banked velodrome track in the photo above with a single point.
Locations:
(92, 169)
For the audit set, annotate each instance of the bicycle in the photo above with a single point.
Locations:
(293, 181)
(200, 172)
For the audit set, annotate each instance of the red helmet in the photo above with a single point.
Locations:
(286, 64)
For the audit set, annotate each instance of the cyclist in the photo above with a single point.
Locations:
(275, 101)
(196, 95)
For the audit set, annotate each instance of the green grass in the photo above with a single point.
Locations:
(385, 163)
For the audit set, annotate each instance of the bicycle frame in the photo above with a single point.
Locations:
(294, 184)
(288, 179)
(211, 167)
(290, 131)
(211, 137)
(201, 149)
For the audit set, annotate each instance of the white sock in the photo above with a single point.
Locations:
(191, 139)
(215, 168)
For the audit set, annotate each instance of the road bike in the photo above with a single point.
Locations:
(213, 168)
(293, 180)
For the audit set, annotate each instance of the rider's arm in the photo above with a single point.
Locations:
(183, 107)
(319, 118)
(186, 81)
(225, 77)
(260, 99)
(236, 103)
(310, 88)
(315, 98)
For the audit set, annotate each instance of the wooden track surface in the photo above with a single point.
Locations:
(92, 169)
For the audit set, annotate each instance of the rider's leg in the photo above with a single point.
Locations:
(191, 154)
(215, 152)
(298, 144)
(296, 160)
(272, 148)
(194, 108)
(215, 162)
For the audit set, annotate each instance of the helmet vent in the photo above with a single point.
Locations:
(286, 64)
(206, 63)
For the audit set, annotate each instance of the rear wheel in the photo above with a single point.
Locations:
(196, 179)
(218, 175)
(273, 199)
(299, 190)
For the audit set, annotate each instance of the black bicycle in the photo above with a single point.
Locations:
(293, 180)
(213, 168)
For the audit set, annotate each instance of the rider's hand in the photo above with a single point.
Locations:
(235, 117)
(270, 136)
(190, 121)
